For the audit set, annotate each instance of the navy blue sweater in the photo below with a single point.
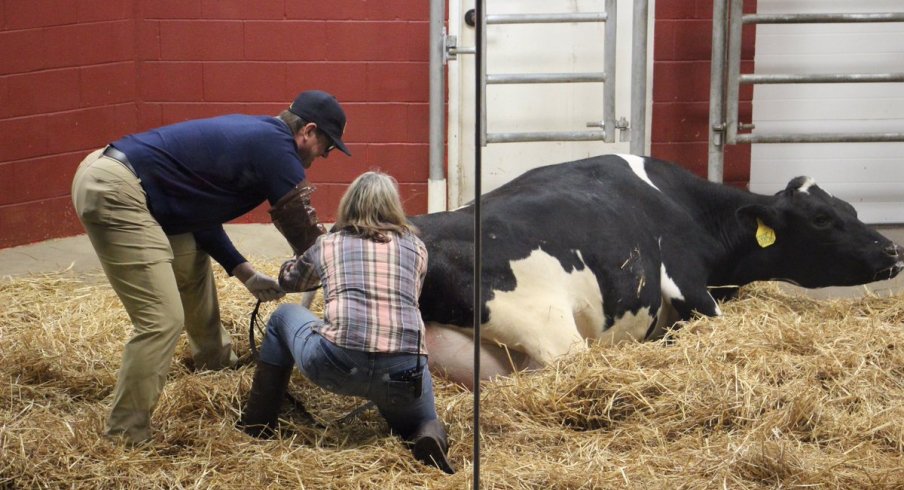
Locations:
(200, 174)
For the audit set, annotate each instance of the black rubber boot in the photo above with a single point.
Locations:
(261, 413)
(430, 446)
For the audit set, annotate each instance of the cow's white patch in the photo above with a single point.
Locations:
(636, 164)
(550, 311)
(805, 187)
(670, 290)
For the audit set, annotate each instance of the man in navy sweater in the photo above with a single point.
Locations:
(154, 204)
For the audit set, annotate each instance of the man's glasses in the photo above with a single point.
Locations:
(329, 148)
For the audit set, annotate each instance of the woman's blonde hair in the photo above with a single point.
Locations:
(371, 208)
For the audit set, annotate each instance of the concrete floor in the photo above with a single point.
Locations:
(263, 242)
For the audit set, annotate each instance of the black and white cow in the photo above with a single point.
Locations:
(620, 247)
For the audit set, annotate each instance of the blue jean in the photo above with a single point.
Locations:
(290, 339)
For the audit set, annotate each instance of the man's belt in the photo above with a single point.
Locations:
(120, 157)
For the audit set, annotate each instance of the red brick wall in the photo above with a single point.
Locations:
(76, 75)
(681, 75)
(67, 84)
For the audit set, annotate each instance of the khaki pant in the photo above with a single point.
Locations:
(164, 282)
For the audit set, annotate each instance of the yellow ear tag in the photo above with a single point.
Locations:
(765, 236)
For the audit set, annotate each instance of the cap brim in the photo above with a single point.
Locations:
(339, 144)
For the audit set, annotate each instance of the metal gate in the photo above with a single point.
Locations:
(726, 79)
(445, 47)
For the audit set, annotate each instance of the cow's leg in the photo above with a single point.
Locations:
(451, 355)
(682, 299)
(687, 295)
(697, 301)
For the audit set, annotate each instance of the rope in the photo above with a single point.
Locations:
(251, 324)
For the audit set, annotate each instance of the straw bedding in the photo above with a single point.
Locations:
(780, 392)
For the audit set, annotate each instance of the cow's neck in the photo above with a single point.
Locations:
(736, 259)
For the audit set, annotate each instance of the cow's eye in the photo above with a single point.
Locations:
(822, 221)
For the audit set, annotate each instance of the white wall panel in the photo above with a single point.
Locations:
(869, 175)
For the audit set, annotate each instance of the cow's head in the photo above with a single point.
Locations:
(806, 236)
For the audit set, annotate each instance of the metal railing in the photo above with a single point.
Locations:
(607, 77)
(726, 79)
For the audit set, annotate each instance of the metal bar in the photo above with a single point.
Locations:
(821, 138)
(547, 18)
(639, 78)
(734, 70)
(823, 78)
(464, 50)
(437, 91)
(546, 136)
(481, 46)
(822, 18)
(546, 78)
(609, 67)
(480, 132)
(716, 93)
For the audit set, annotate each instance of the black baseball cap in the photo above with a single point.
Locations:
(323, 110)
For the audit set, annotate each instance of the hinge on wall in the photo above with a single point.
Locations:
(718, 132)
(624, 129)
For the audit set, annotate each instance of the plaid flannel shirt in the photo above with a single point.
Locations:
(370, 290)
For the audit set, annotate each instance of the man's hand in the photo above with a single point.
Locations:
(264, 288)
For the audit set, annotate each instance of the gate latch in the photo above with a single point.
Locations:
(451, 49)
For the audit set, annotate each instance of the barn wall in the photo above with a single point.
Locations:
(67, 84)
(681, 74)
(75, 75)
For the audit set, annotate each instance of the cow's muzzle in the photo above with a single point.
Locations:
(893, 251)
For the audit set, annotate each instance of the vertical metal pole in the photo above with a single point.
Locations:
(639, 78)
(481, 61)
(436, 188)
(479, 142)
(609, 67)
(716, 95)
(732, 84)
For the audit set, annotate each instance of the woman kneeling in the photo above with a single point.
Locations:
(370, 342)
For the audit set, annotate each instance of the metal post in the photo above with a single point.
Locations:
(609, 67)
(481, 70)
(716, 94)
(436, 184)
(480, 131)
(732, 98)
(639, 78)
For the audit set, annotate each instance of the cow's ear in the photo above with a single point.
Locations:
(752, 215)
(760, 222)
(801, 183)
